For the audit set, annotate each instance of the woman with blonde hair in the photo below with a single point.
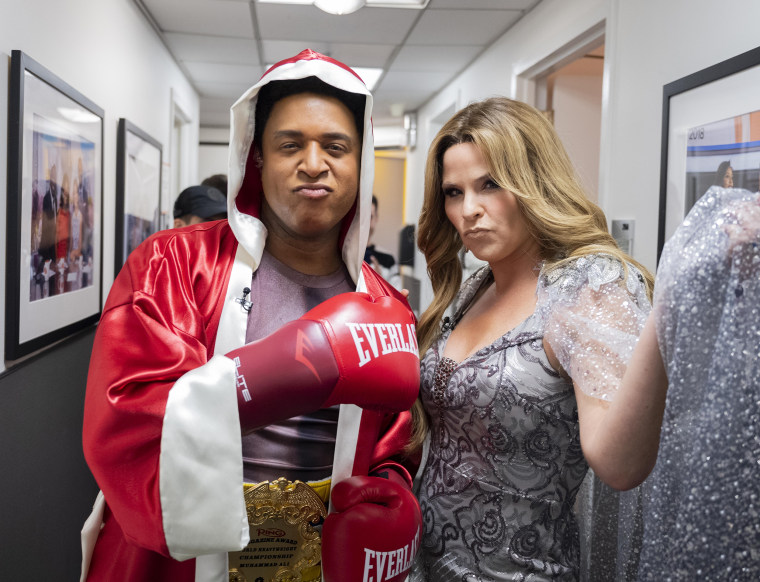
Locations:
(533, 376)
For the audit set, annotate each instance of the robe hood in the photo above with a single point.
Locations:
(245, 188)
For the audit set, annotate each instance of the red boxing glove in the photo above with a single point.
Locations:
(350, 349)
(374, 534)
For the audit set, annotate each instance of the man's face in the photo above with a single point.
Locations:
(310, 167)
(728, 178)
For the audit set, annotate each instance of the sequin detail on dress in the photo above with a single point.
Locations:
(700, 507)
(443, 371)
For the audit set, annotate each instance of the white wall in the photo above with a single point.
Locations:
(652, 43)
(389, 189)
(577, 107)
(213, 152)
(108, 52)
(648, 43)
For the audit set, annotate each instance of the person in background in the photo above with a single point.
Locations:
(259, 349)
(75, 247)
(548, 365)
(63, 234)
(218, 181)
(48, 234)
(383, 263)
(198, 204)
(724, 177)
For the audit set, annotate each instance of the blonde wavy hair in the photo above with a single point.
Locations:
(525, 156)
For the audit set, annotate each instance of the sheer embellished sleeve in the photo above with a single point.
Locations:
(592, 314)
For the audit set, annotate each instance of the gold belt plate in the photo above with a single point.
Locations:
(285, 545)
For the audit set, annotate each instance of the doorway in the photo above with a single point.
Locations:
(569, 85)
(572, 96)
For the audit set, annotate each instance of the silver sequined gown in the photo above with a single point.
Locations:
(505, 461)
(700, 507)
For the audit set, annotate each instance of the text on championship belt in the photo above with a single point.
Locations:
(284, 546)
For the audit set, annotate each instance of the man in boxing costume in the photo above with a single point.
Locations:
(224, 349)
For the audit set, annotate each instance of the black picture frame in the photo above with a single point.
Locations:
(723, 90)
(54, 235)
(138, 189)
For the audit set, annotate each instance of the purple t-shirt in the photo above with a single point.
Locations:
(301, 447)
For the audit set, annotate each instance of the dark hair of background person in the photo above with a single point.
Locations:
(277, 90)
(205, 203)
(218, 181)
(722, 168)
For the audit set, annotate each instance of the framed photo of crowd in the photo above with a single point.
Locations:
(55, 166)
(138, 189)
(710, 136)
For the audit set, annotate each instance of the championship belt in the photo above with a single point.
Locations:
(285, 545)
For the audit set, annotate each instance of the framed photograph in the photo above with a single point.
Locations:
(138, 189)
(55, 199)
(710, 135)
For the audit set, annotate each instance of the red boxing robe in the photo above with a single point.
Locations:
(161, 432)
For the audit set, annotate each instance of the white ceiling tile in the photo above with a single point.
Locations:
(408, 100)
(223, 73)
(428, 81)
(463, 27)
(483, 4)
(210, 17)
(362, 55)
(213, 49)
(214, 42)
(451, 58)
(353, 54)
(228, 90)
(368, 25)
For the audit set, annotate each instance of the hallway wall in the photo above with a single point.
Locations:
(650, 44)
(46, 487)
(647, 45)
(108, 52)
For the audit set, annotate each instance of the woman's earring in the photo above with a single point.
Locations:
(259, 161)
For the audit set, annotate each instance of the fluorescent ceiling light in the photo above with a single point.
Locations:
(398, 3)
(348, 6)
(339, 7)
(286, 1)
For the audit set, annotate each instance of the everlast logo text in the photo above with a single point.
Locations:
(379, 339)
(379, 566)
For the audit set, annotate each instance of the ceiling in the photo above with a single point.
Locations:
(224, 46)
